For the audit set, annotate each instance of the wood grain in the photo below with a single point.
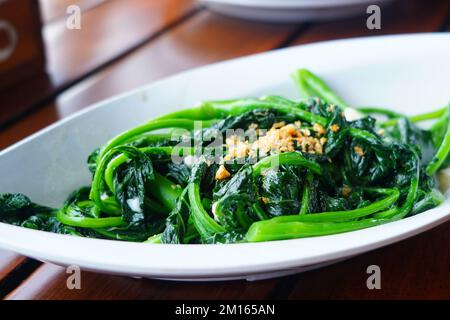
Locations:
(8, 261)
(53, 10)
(29, 125)
(107, 32)
(50, 282)
(417, 268)
(403, 16)
(27, 56)
(203, 39)
(206, 38)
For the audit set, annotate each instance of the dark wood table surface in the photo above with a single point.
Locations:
(124, 44)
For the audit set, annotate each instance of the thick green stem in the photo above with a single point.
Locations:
(339, 216)
(156, 207)
(441, 154)
(156, 239)
(260, 213)
(417, 118)
(400, 213)
(305, 196)
(92, 223)
(110, 162)
(238, 107)
(206, 111)
(122, 158)
(291, 158)
(364, 135)
(305, 91)
(205, 225)
(382, 111)
(153, 137)
(97, 185)
(147, 127)
(311, 85)
(270, 231)
(278, 100)
(164, 191)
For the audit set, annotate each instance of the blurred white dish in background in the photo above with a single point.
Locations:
(291, 10)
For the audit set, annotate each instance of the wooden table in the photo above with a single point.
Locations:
(123, 44)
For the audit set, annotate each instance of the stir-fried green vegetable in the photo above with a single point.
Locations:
(253, 170)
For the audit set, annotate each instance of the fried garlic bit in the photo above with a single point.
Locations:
(280, 138)
(319, 129)
(346, 190)
(359, 151)
(335, 128)
(222, 173)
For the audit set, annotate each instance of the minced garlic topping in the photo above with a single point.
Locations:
(280, 138)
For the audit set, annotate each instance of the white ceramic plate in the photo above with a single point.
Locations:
(291, 10)
(407, 73)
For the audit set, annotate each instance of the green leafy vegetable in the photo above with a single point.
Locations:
(254, 169)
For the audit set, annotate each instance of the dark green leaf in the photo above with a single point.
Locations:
(130, 184)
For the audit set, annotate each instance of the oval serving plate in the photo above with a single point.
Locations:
(406, 73)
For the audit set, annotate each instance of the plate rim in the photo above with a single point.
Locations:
(189, 271)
